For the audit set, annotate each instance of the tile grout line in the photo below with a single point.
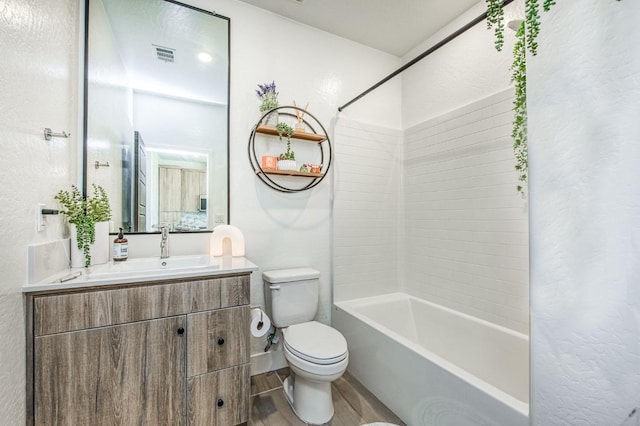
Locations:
(266, 391)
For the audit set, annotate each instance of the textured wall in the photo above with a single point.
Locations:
(585, 234)
(465, 225)
(38, 77)
(467, 69)
(366, 210)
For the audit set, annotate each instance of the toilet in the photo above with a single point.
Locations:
(316, 353)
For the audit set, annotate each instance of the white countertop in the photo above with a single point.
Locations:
(114, 273)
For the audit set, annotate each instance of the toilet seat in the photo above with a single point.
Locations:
(316, 343)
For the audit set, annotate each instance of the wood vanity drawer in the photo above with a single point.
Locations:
(79, 311)
(90, 309)
(220, 398)
(219, 293)
(217, 340)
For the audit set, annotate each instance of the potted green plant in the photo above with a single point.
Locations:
(88, 217)
(286, 160)
(268, 101)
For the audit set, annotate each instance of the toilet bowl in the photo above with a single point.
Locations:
(316, 353)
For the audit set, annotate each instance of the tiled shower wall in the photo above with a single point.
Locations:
(465, 226)
(366, 210)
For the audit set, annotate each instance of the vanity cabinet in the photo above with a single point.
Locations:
(162, 353)
(83, 377)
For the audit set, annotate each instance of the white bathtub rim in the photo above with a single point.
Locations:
(399, 296)
(348, 307)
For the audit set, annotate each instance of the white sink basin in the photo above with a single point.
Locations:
(150, 266)
(143, 270)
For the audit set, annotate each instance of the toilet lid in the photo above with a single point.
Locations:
(316, 342)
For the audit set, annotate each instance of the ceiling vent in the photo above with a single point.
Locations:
(165, 54)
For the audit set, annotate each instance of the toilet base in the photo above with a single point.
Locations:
(311, 401)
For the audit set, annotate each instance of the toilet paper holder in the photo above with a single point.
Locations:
(261, 322)
(261, 312)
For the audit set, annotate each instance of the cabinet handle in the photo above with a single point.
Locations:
(180, 330)
(220, 402)
(220, 341)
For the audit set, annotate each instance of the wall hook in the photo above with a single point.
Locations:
(48, 134)
(99, 164)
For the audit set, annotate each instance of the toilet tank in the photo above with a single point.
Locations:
(292, 295)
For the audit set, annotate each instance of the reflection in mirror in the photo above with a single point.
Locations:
(156, 115)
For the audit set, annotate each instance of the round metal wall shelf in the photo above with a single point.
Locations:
(281, 180)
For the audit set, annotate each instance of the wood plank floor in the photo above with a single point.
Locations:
(354, 405)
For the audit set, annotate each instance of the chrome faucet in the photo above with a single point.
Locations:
(164, 242)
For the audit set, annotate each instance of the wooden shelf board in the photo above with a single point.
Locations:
(289, 173)
(305, 136)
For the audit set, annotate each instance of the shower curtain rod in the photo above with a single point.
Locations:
(423, 55)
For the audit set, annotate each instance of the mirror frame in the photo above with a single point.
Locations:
(85, 103)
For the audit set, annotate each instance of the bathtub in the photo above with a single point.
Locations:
(434, 366)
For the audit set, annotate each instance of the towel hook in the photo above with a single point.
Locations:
(48, 134)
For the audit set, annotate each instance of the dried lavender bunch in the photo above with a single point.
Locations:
(268, 95)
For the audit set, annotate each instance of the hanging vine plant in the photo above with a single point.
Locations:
(526, 39)
(519, 131)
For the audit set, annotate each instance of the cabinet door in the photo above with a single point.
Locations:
(170, 189)
(119, 375)
(190, 190)
(220, 398)
(217, 340)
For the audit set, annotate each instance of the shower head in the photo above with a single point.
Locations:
(514, 24)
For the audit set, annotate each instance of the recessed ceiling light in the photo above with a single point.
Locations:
(205, 57)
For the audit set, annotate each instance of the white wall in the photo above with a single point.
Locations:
(366, 210)
(465, 70)
(38, 76)
(585, 183)
(464, 227)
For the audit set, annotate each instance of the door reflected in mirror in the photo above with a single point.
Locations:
(157, 95)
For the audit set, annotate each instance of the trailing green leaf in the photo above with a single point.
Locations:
(519, 132)
(532, 11)
(495, 20)
(526, 38)
(547, 4)
(285, 129)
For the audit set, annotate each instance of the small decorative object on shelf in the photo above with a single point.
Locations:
(269, 162)
(304, 168)
(284, 164)
(285, 129)
(315, 168)
(269, 100)
(300, 117)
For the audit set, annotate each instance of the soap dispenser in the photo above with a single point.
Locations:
(120, 247)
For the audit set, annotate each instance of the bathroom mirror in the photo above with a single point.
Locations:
(156, 113)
